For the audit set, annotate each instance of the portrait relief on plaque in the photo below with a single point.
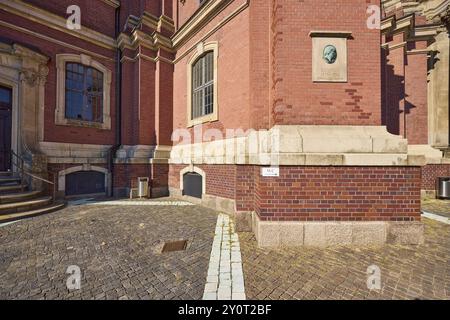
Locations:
(329, 57)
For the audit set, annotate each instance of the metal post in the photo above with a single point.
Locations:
(54, 187)
(22, 175)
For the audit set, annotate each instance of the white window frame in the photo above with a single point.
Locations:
(200, 50)
(60, 112)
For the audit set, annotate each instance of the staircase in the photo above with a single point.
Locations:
(18, 202)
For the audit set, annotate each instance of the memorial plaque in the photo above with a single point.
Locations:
(329, 59)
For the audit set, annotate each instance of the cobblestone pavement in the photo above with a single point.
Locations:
(407, 272)
(118, 249)
(439, 207)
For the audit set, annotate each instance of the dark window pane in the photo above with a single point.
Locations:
(5, 95)
(84, 93)
(203, 85)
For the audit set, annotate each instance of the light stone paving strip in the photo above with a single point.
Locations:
(141, 203)
(436, 217)
(225, 279)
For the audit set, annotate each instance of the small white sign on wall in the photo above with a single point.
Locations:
(270, 172)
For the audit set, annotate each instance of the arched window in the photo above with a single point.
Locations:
(202, 79)
(84, 93)
(203, 86)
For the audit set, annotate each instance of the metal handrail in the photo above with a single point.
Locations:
(21, 166)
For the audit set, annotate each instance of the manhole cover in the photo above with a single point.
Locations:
(175, 246)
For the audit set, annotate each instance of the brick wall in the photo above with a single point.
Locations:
(220, 179)
(278, 89)
(340, 193)
(259, 64)
(52, 132)
(95, 14)
(405, 97)
(405, 80)
(184, 11)
(125, 175)
(296, 99)
(416, 94)
(431, 172)
(318, 193)
(160, 175)
(233, 71)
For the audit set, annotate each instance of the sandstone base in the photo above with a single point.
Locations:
(323, 234)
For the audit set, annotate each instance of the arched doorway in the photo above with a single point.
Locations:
(85, 183)
(193, 185)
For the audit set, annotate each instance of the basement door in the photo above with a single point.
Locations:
(5, 128)
(85, 182)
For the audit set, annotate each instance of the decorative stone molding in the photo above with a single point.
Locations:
(60, 112)
(303, 145)
(142, 154)
(25, 71)
(75, 153)
(56, 22)
(435, 32)
(198, 20)
(205, 36)
(139, 38)
(85, 167)
(113, 3)
(202, 49)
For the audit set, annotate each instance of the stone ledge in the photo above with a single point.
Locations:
(142, 154)
(303, 145)
(74, 150)
(432, 155)
(325, 234)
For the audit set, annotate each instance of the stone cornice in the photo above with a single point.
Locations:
(407, 25)
(140, 38)
(55, 22)
(52, 40)
(433, 10)
(24, 52)
(331, 34)
(439, 11)
(113, 3)
(198, 20)
(155, 23)
(206, 35)
(299, 145)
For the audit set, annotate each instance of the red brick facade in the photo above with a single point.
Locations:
(317, 193)
(264, 78)
(340, 194)
(406, 64)
(298, 100)
(430, 174)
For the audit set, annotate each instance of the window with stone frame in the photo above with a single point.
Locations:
(83, 93)
(83, 89)
(203, 86)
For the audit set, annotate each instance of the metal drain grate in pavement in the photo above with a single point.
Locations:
(174, 246)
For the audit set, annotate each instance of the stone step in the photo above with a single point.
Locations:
(6, 181)
(5, 173)
(19, 197)
(29, 214)
(5, 190)
(18, 207)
